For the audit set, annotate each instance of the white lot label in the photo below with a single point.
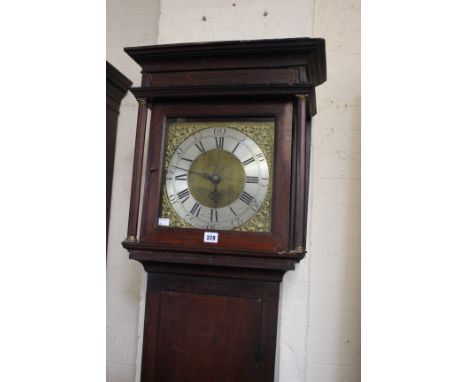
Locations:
(164, 221)
(210, 237)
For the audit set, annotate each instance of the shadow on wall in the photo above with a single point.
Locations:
(349, 301)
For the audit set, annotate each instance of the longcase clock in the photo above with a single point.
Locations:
(218, 205)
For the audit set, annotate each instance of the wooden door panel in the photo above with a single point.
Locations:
(207, 338)
(209, 328)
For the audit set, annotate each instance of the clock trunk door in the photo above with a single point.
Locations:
(205, 329)
(207, 338)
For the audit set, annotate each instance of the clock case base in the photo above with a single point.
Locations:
(212, 315)
(210, 324)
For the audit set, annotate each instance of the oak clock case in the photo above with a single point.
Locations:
(226, 150)
(218, 170)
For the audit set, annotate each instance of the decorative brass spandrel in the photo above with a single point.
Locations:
(262, 133)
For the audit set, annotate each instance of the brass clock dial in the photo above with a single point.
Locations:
(217, 178)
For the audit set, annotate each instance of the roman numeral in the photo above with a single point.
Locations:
(186, 159)
(260, 157)
(214, 215)
(219, 142)
(234, 212)
(219, 130)
(181, 177)
(235, 148)
(180, 168)
(246, 197)
(200, 147)
(251, 179)
(248, 161)
(195, 209)
(184, 194)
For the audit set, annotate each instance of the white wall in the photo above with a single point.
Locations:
(319, 329)
(333, 345)
(182, 20)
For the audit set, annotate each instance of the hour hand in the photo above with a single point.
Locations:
(211, 177)
(215, 195)
(202, 174)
